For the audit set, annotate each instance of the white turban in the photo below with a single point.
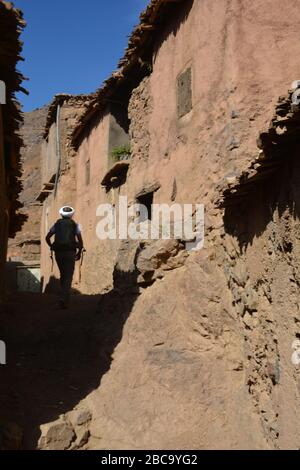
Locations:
(67, 211)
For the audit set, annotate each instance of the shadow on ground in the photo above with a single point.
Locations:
(55, 358)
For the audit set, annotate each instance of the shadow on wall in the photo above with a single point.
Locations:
(57, 357)
(249, 217)
(172, 19)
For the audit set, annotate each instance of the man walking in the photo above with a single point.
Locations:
(68, 246)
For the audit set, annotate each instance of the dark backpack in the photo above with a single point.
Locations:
(65, 235)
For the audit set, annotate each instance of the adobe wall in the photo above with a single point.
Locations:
(66, 187)
(239, 69)
(99, 259)
(206, 350)
(233, 96)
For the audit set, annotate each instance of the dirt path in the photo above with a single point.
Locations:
(55, 358)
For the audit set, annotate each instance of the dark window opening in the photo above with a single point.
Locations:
(116, 176)
(184, 93)
(118, 144)
(147, 201)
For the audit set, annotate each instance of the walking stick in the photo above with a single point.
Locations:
(52, 260)
(81, 263)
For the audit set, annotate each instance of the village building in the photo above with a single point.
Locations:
(23, 254)
(161, 120)
(203, 109)
(11, 26)
(58, 177)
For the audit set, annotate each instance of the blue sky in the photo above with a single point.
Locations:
(71, 46)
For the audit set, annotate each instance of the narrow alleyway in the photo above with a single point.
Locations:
(55, 358)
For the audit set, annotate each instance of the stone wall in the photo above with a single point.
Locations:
(26, 244)
(3, 209)
(11, 27)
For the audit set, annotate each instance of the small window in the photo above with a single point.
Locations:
(87, 173)
(147, 201)
(184, 93)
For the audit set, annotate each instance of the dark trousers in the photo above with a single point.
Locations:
(66, 265)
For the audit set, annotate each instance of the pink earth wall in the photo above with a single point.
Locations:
(243, 56)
